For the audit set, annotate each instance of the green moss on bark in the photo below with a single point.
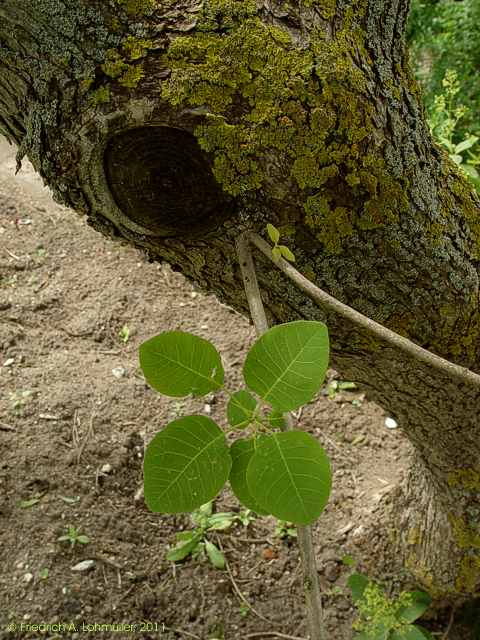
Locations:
(267, 97)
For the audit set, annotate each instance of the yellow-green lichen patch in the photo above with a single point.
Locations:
(122, 65)
(468, 578)
(466, 532)
(132, 76)
(309, 106)
(467, 536)
(100, 96)
(136, 48)
(326, 8)
(425, 577)
(414, 536)
(136, 8)
(468, 479)
(467, 201)
(460, 344)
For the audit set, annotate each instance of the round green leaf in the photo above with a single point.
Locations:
(177, 363)
(286, 366)
(420, 603)
(276, 253)
(186, 465)
(273, 233)
(240, 409)
(357, 583)
(286, 253)
(409, 632)
(289, 476)
(242, 452)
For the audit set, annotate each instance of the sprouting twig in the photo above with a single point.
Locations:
(239, 592)
(313, 598)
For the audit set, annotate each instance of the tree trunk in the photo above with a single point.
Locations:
(175, 126)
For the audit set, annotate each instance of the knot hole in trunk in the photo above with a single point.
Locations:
(161, 180)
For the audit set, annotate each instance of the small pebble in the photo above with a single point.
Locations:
(85, 565)
(106, 468)
(119, 372)
(28, 577)
(390, 423)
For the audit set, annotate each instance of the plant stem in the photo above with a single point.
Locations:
(311, 585)
(323, 299)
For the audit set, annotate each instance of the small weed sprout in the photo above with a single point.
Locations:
(285, 530)
(278, 250)
(73, 536)
(124, 334)
(382, 617)
(196, 541)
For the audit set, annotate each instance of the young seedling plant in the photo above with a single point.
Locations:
(282, 473)
(383, 618)
(195, 542)
(73, 536)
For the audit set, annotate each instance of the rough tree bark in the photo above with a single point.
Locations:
(176, 125)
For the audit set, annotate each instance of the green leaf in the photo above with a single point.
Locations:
(186, 465)
(176, 364)
(276, 254)
(286, 253)
(222, 520)
(215, 556)
(289, 476)
(379, 632)
(273, 233)
(242, 452)
(26, 504)
(240, 409)
(349, 561)
(410, 632)
(276, 420)
(181, 551)
(466, 144)
(184, 536)
(456, 158)
(357, 583)
(206, 509)
(420, 603)
(346, 386)
(286, 366)
(472, 172)
(83, 539)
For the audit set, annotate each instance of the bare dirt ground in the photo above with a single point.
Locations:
(75, 417)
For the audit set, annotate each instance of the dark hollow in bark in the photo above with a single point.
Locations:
(161, 180)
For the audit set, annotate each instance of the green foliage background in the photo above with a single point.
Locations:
(443, 35)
